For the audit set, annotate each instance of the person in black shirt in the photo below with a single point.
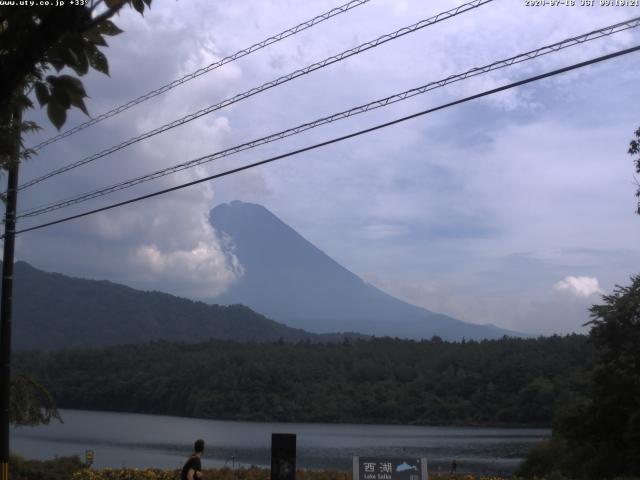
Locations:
(192, 469)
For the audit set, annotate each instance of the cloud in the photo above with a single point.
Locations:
(579, 286)
(384, 231)
(168, 246)
(202, 272)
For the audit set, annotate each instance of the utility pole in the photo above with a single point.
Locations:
(7, 291)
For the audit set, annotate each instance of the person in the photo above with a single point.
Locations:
(454, 467)
(192, 469)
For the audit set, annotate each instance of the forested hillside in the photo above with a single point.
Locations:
(496, 382)
(54, 311)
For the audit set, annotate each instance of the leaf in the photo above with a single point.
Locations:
(54, 57)
(138, 5)
(53, 52)
(57, 64)
(42, 93)
(59, 91)
(66, 53)
(78, 46)
(78, 102)
(67, 56)
(99, 62)
(82, 67)
(24, 102)
(70, 91)
(95, 37)
(56, 113)
(77, 61)
(72, 56)
(108, 28)
(73, 85)
(60, 96)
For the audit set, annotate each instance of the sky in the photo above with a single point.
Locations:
(516, 209)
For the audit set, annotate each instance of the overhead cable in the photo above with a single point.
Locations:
(239, 54)
(273, 83)
(337, 139)
(569, 42)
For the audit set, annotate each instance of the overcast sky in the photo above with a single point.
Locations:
(517, 209)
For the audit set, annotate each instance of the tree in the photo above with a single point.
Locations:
(31, 403)
(634, 149)
(615, 409)
(600, 438)
(36, 41)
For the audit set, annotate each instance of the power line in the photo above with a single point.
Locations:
(338, 139)
(572, 41)
(239, 54)
(273, 83)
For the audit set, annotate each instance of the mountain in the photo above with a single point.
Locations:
(289, 279)
(52, 311)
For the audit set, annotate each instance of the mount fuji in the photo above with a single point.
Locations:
(292, 281)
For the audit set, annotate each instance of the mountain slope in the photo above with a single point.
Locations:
(53, 311)
(289, 279)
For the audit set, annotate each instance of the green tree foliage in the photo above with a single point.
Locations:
(600, 435)
(634, 149)
(498, 382)
(39, 47)
(545, 458)
(615, 408)
(30, 402)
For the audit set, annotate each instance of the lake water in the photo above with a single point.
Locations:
(121, 439)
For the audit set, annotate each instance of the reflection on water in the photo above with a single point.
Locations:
(149, 440)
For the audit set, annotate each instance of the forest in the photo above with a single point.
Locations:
(506, 382)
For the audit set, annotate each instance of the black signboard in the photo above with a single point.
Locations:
(283, 456)
(384, 468)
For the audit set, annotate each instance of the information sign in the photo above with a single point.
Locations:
(385, 468)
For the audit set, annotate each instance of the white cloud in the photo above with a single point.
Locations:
(579, 286)
(202, 272)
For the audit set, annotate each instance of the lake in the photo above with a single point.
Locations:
(134, 440)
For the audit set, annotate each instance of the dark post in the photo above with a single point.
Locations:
(283, 456)
(7, 292)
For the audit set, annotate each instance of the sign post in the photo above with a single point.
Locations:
(386, 468)
(283, 456)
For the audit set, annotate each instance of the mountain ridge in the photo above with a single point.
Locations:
(53, 311)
